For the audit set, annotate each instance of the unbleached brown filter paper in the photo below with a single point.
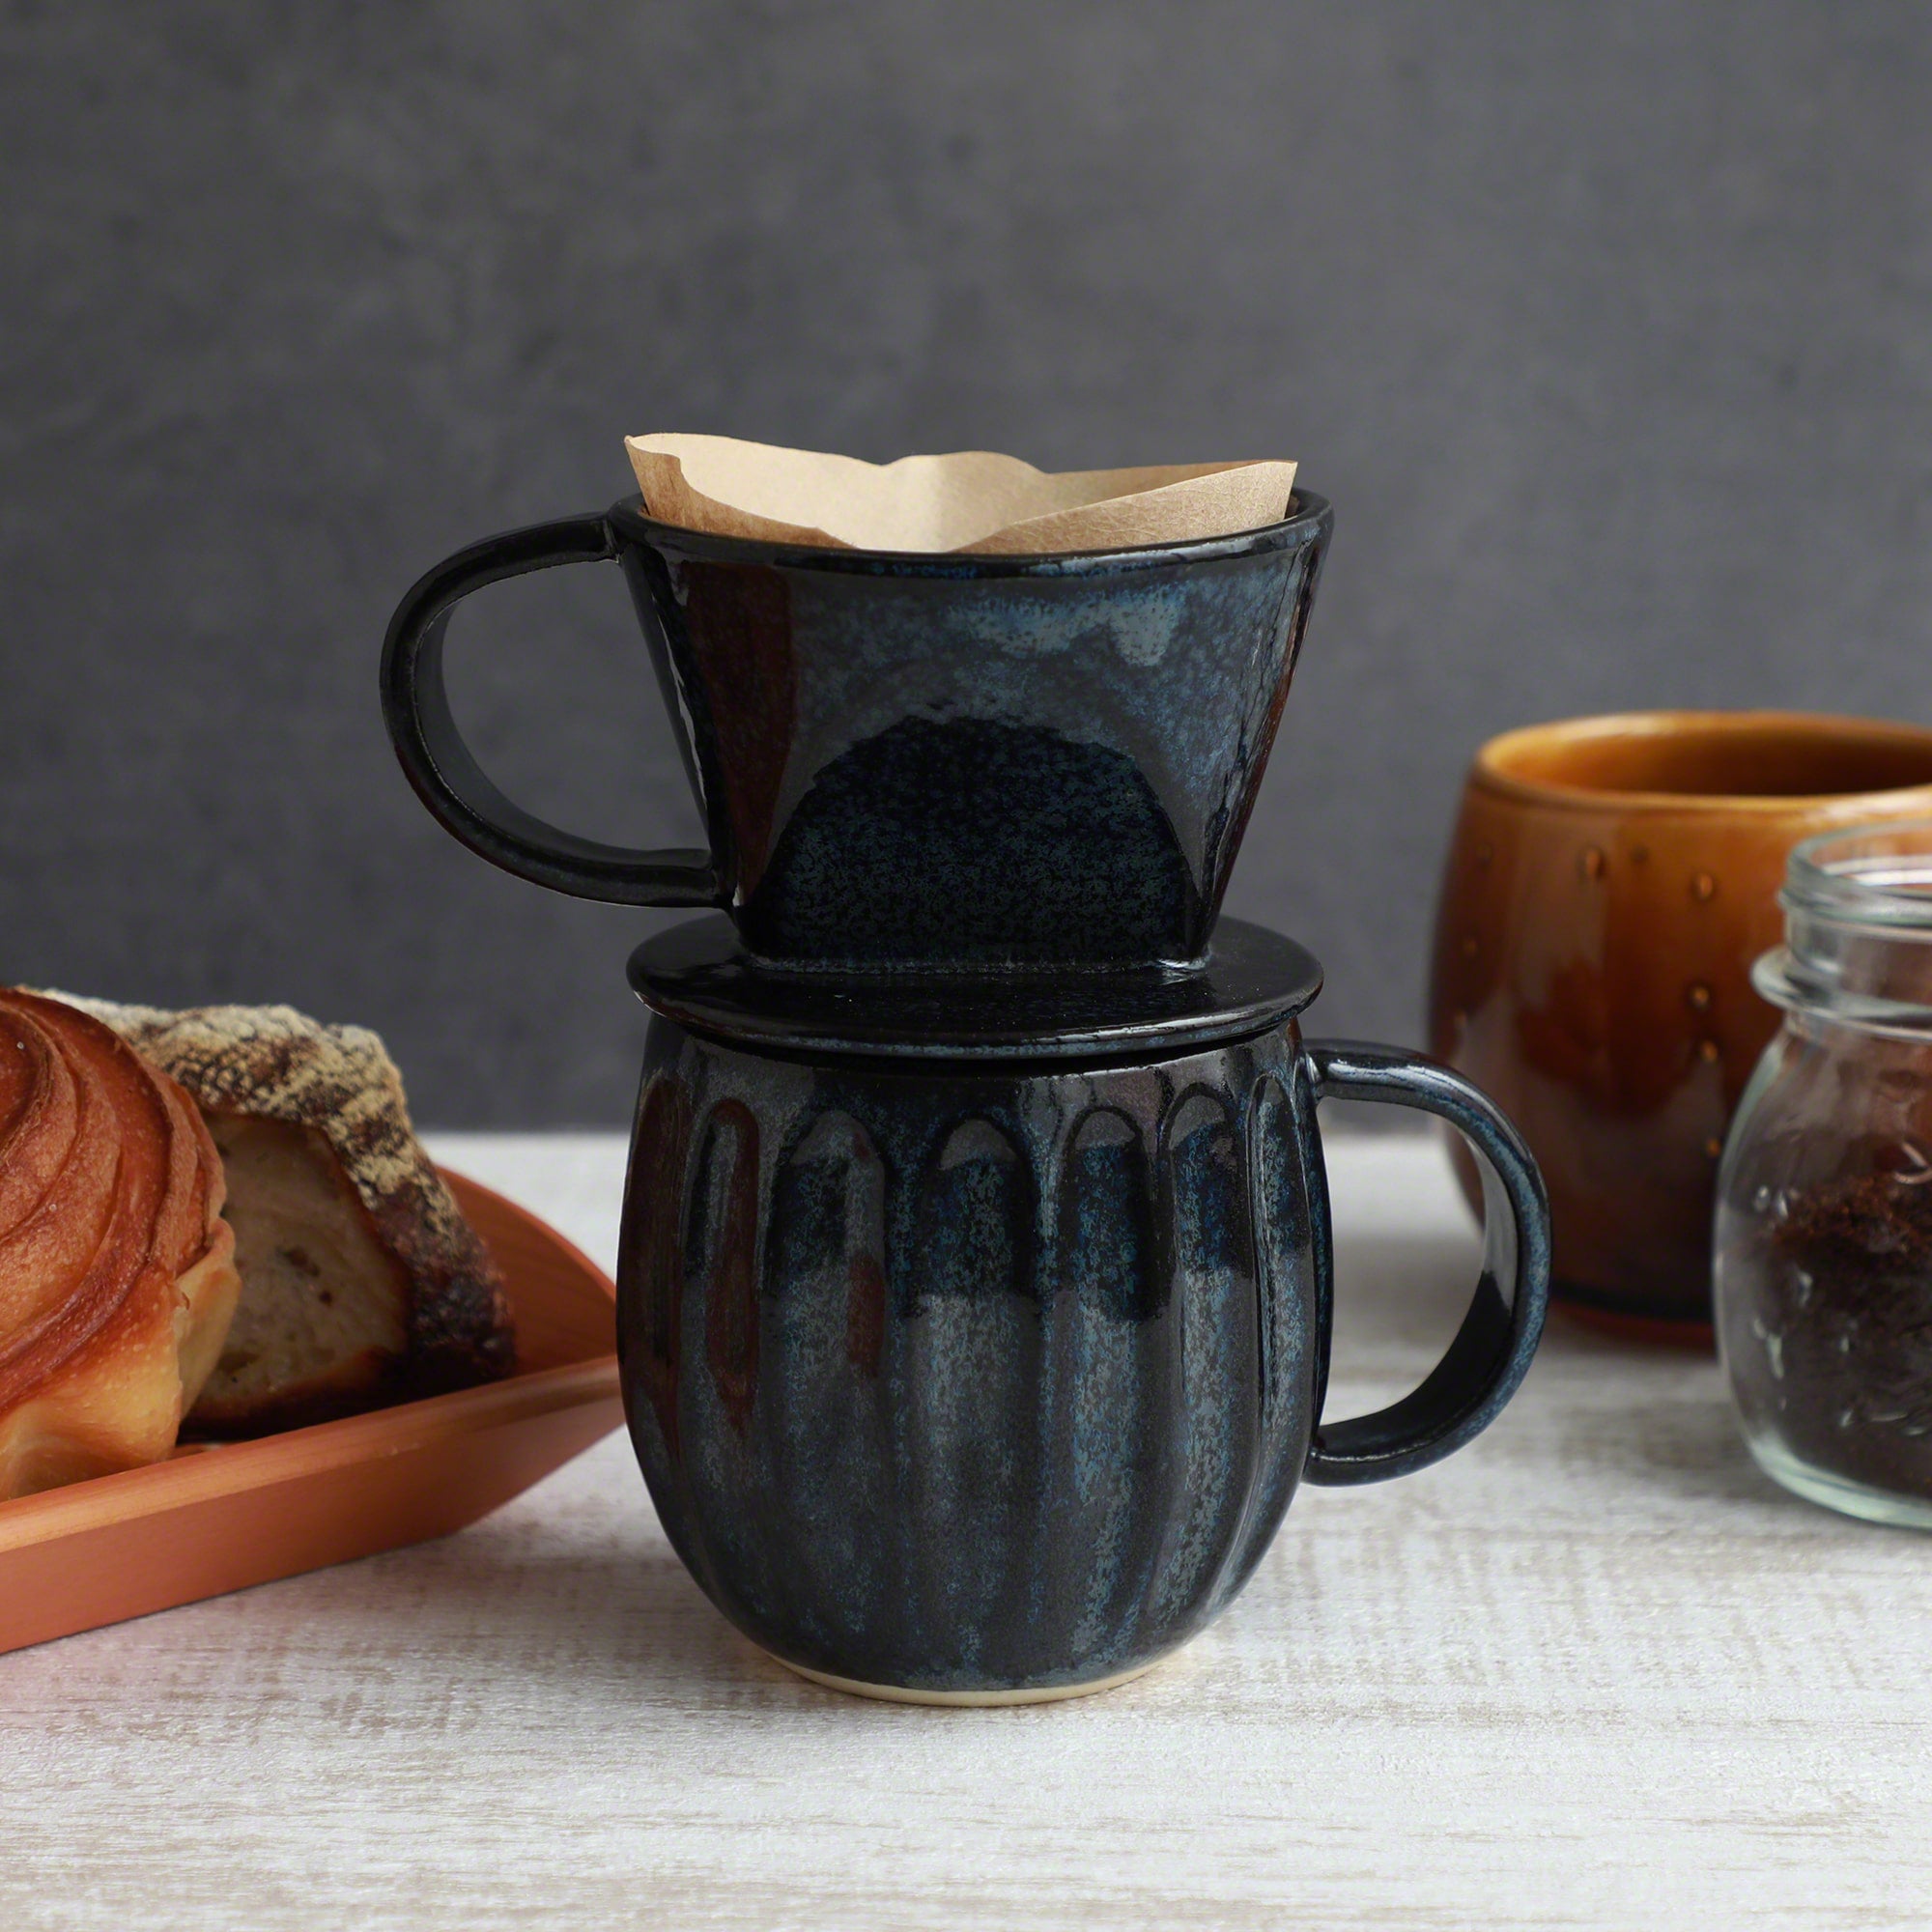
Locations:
(972, 500)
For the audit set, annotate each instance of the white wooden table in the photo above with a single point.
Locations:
(1593, 1672)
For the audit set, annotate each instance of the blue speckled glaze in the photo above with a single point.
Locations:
(973, 1378)
(971, 760)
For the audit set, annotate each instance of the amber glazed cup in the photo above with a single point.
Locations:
(1610, 882)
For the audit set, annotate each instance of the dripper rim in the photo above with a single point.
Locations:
(1310, 517)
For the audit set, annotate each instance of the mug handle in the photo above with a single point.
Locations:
(1468, 1388)
(443, 770)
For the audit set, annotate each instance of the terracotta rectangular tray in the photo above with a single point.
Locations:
(224, 1516)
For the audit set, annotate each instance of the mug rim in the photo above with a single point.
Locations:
(1490, 770)
(1310, 517)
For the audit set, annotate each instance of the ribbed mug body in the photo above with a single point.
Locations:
(969, 1376)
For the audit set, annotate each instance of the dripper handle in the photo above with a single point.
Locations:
(1468, 1388)
(443, 770)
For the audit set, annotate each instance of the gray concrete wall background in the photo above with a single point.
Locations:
(1606, 331)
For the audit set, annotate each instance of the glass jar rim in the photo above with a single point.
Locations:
(1858, 930)
(1872, 875)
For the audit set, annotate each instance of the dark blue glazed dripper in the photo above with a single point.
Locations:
(914, 760)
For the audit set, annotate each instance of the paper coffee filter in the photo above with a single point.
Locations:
(973, 500)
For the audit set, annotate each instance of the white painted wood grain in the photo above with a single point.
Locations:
(1593, 1672)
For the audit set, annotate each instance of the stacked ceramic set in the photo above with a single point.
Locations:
(974, 1292)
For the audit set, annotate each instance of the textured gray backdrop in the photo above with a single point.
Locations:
(1606, 328)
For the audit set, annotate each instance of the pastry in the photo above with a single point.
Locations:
(117, 1272)
(363, 1284)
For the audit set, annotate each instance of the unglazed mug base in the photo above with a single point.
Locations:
(899, 1694)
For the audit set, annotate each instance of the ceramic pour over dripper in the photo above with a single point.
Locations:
(1039, 749)
(972, 501)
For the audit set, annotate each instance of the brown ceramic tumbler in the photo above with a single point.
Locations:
(1610, 882)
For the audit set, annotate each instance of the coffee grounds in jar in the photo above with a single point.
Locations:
(1848, 1326)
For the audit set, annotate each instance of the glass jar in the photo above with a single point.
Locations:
(1824, 1223)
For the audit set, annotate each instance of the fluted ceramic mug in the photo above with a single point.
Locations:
(990, 1382)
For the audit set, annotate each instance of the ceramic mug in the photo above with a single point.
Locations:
(990, 1382)
(1610, 882)
(913, 758)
